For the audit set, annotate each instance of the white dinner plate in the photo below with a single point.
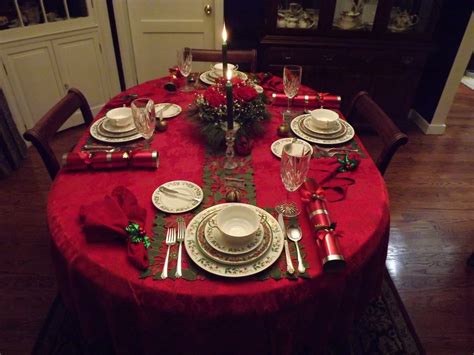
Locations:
(95, 133)
(172, 111)
(177, 203)
(348, 135)
(209, 80)
(221, 269)
(277, 146)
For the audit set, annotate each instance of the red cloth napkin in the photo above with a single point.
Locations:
(105, 220)
(325, 172)
(125, 99)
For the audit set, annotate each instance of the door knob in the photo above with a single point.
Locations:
(208, 9)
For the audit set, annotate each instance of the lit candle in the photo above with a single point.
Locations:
(230, 101)
(224, 51)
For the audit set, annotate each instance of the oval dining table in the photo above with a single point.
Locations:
(214, 315)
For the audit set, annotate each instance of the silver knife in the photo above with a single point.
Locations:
(289, 264)
(178, 193)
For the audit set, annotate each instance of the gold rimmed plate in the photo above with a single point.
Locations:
(210, 80)
(98, 133)
(339, 133)
(296, 127)
(187, 197)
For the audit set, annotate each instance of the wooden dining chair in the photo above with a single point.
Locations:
(364, 110)
(44, 130)
(246, 57)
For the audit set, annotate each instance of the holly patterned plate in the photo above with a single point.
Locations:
(277, 146)
(209, 80)
(260, 248)
(220, 269)
(189, 196)
(96, 133)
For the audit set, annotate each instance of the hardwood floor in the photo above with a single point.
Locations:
(431, 185)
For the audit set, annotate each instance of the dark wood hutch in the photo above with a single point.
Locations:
(344, 46)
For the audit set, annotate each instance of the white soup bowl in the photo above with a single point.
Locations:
(120, 116)
(237, 223)
(323, 119)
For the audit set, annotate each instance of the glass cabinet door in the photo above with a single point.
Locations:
(355, 15)
(23, 13)
(8, 15)
(301, 15)
(410, 15)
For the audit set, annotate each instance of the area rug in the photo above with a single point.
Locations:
(384, 328)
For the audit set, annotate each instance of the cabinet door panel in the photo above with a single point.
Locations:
(80, 65)
(34, 77)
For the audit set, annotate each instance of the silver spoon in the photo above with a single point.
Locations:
(294, 234)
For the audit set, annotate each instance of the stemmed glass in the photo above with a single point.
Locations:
(185, 60)
(291, 82)
(143, 112)
(294, 165)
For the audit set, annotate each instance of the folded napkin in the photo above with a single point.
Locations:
(118, 216)
(124, 99)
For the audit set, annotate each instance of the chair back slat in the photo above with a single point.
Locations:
(248, 57)
(44, 130)
(365, 109)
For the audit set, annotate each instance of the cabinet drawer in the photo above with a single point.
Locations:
(288, 55)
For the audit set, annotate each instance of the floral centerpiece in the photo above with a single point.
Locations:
(211, 111)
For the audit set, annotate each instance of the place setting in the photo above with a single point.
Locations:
(116, 126)
(228, 239)
(322, 126)
(212, 76)
(234, 240)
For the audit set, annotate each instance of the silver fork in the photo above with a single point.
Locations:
(170, 240)
(180, 240)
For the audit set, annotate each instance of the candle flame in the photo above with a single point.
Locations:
(224, 34)
(229, 74)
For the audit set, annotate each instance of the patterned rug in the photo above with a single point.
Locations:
(385, 328)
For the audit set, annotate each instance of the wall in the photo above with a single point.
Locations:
(450, 29)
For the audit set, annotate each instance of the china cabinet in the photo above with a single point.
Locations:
(46, 47)
(346, 46)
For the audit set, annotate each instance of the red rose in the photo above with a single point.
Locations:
(245, 93)
(214, 97)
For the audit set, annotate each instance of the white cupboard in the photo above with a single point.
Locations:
(40, 63)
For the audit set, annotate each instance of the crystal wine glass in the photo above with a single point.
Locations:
(291, 82)
(185, 60)
(294, 165)
(143, 112)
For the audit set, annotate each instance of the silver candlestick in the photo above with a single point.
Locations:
(230, 134)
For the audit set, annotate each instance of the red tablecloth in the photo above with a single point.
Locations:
(216, 315)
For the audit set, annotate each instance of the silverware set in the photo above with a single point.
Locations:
(173, 236)
(330, 152)
(292, 233)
